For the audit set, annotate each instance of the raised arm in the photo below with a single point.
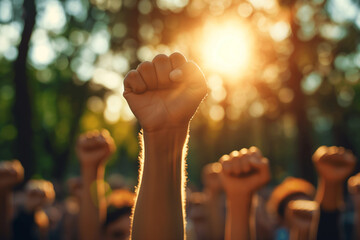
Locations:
(93, 149)
(333, 165)
(215, 200)
(354, 190)
(243, 173)
(11, 173)
(31, 220)
(302, 217)
(163, 95)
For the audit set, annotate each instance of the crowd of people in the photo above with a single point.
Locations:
(235, 202)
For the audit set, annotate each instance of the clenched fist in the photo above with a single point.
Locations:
(244, 171)
(334, 164)
(38, 194)
(354, 184)
(302, 214)
(11, 173)
(165, 93)
(211, 178)
(94, 147)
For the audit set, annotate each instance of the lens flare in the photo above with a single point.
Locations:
(226, 48)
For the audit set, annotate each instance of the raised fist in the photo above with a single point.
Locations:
(334, 164)
(39, 193)
(94, 147)
(11, 173)
(211, 178)
(354, 188)
(166, 92)
(75, 186)
(244, 171)
(302, 214)
(354, 184)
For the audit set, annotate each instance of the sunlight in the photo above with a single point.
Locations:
(226, 48)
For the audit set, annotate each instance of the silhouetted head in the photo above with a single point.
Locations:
(290, 189)
(117, 224)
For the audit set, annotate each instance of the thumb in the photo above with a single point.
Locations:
(262, 165)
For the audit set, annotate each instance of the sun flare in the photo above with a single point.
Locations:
(226, 48)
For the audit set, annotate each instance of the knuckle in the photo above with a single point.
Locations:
(243, 151)
(176, 55)
(160, 58)
(234, 154)
(144, 67)
(131, 74)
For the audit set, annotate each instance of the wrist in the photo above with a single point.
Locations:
(239, 196)
(165, 144)
(90, 171)
(163, 156)
(330, 194)
(167, 130)
(239, 201)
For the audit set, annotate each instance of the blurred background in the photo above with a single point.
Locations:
(283, 75)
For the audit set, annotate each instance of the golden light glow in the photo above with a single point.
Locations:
(226, 48)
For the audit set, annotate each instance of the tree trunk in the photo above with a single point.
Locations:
(304, 139)
(22, 112)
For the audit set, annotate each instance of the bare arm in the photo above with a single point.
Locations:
(244, 172)
(93, 150)
(215, 199)
(159, 207)
(238, 218)
(354, 190)
(5, 214)
(302, 216)
(163, 94)
(333, 165)
(11, 173)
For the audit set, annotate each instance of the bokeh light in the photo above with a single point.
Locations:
(226, 48)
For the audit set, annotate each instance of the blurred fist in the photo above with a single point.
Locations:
(302, 214)
(75, 186)
(244, 171)
(166, 92)
(354, 184)
(354, 188)
(334, 164)
(94, 147)
(11, 173)
(211, 178)
(39, 193)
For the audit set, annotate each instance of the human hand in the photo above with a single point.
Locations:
(244, 172)
(11, 173)
(302, 214)
(165, 93)
(75, 186)
(354, 184)
(334, 164)
(94, 147)
(211, 178)
(354, 188)
(38, 194)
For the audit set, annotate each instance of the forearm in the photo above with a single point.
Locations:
(159, 212)
(5, 214)
(329, 195)
(216, 216)
(92, 203)
(301, 234)
(238, 217)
